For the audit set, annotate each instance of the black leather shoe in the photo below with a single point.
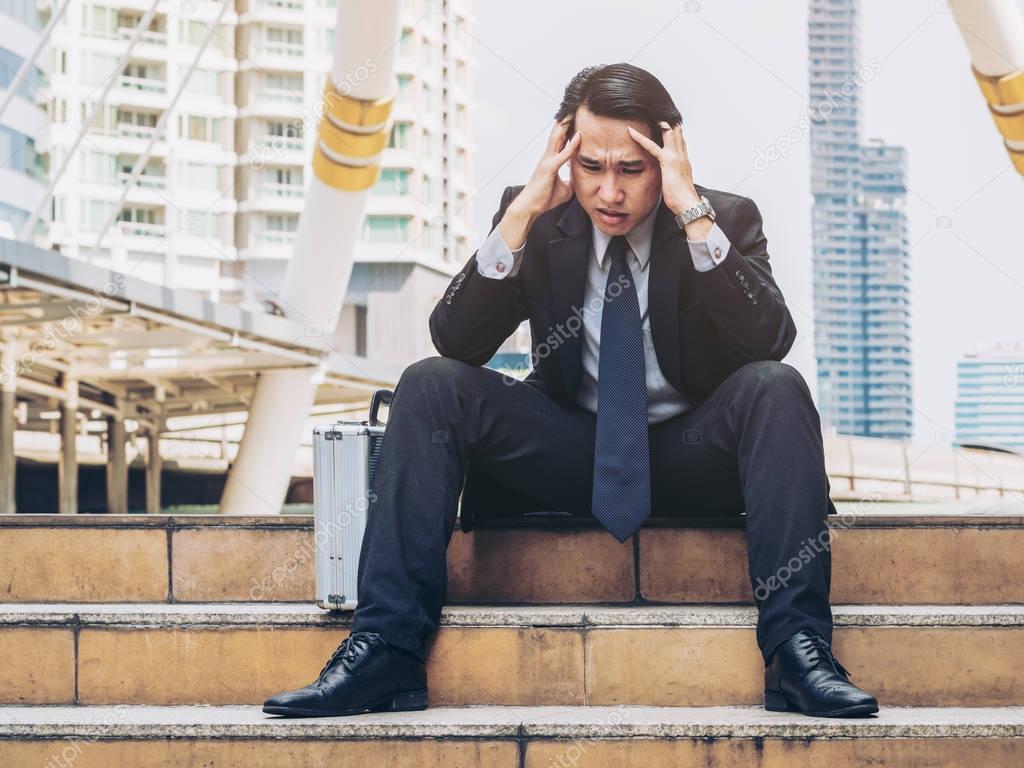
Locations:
(364, 674)
(804, 676)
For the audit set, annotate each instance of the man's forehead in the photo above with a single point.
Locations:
(617, 152)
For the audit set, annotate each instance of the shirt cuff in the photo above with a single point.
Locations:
(496, 260)
(708, 254)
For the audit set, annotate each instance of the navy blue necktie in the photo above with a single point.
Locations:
(622, 461)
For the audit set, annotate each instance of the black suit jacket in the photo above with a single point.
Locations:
(705, 325)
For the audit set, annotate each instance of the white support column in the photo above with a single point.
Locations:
(67, 467)
(8, 463)
(346, 163)
(993, 31)
(117, 466)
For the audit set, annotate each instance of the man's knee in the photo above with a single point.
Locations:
(774, 378)
(431, 371)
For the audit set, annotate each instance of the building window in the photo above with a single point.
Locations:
(399, 138)
(201, 128)
(404, 90)
(392, 181)
(386, 229)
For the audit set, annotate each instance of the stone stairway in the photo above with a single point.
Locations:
(152, 640)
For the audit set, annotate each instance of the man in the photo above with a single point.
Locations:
(656, 388)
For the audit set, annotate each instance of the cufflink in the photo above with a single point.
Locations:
(718, 252)
(500, 266)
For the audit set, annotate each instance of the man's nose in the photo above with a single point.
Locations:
(609, 191)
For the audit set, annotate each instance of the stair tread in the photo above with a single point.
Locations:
(505, 721)
(982, 511)
(304, 614)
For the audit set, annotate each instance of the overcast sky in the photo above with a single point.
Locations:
(737, 70)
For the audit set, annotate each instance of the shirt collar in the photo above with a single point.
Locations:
(639, 239)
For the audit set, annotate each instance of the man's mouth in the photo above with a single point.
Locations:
(612, 215)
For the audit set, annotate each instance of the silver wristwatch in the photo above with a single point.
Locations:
(703, 208)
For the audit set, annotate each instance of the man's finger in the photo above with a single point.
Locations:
(644, 142)
(570, 148)
(557, 135)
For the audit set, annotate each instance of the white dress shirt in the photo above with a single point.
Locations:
(495, 260)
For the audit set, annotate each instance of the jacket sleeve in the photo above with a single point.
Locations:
(477, 313)
(742, 297)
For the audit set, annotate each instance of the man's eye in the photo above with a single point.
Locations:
(632, 171)
(590, 168)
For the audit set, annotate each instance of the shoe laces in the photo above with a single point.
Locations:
(346, 652)
(818, 650)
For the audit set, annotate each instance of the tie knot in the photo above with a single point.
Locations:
(617, 248)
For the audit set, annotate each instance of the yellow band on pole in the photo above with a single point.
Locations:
(351, 178)
(1011, 126)
(362, 145)
(1001, 91)
(1017, 158)
(362, 113)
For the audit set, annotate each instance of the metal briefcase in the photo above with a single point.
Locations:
(345, 458)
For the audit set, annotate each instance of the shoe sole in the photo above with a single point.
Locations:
(775, 701)
(409, 701)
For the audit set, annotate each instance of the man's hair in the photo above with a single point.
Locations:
(621, 91)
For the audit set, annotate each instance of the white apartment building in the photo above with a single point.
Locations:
(176, 226)
(217, 206)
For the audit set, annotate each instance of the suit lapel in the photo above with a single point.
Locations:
(567, 267)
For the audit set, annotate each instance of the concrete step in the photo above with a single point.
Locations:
(878, 557)
(565, 655)
(510, 737)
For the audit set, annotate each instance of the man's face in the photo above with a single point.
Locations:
(615, 179)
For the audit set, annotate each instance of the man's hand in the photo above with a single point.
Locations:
(545, 189)
(676, 175)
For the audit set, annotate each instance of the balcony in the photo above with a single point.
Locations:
(280, 49)
(271, 189)
(274, 238)
(273, 102)
(144, 84)
(133, 131)
(141, 229)
(280, 95)
(144, 181)
(149, 36)
(274, 198)
(279, 143)
(140, 92)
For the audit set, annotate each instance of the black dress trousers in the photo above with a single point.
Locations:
(753, 446)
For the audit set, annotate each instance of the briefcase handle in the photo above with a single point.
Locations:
(380, 397)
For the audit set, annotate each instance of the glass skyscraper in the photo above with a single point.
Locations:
(859, 239)
(990, 397)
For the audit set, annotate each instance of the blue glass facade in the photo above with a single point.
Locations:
(18, 152)
(859, 239)
(990, 398)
